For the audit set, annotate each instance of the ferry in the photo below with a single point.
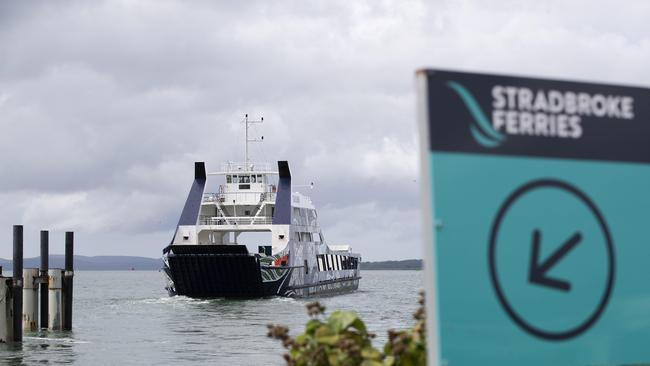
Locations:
(206, 258)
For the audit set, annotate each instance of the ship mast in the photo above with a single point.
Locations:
(247, 122)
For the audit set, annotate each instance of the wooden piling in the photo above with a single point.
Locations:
(6, 312)
(17, 285)
(44, 268)
(55, 299)
(30, 298)
(67, 280)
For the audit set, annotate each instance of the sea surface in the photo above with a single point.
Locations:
(126, 318)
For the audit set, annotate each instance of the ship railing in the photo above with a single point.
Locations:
(235, 167)
(228, 197)
(210, 197)
(235, 220)
(268, 197)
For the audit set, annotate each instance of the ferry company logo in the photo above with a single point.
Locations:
(522, 111)
(481, 130)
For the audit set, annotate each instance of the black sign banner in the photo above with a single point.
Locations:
(505, 115)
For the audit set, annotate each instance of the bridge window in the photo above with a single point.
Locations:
(228, 179)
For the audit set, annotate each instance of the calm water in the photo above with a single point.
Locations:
(127, 318)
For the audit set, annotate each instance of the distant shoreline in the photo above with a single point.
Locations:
(96, 263)
(129, 263)
(401, 265)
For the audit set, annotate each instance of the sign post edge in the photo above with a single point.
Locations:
(429, 252)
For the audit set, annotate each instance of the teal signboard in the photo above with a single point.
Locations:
(537, 220)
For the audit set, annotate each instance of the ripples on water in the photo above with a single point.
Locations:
(126, 318)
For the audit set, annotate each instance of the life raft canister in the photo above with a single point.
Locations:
(282, 261)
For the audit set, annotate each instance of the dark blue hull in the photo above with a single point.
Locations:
(202, 271)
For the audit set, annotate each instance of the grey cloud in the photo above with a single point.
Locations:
(104, 106)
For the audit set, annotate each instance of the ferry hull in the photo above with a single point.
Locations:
(209, 272)
(325, 288)
(218, 275)
(205, 260)
(205, 271)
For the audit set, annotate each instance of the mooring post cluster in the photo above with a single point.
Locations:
(20, 293)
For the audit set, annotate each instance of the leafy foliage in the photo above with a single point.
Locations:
(341, 339)
(408, 347)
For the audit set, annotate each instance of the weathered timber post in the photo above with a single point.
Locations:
(55, 303)
(6, 311)
(67, 280)
(17, 285)
(31, 277)
(44, 279)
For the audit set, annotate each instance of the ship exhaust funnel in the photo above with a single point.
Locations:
(190, 214)
(199, 170)
(282, 214)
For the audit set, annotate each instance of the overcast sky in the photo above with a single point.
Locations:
(104, 106)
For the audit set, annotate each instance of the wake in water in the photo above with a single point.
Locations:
(174, 300)
(54, 340)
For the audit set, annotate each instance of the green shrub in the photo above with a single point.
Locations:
(408, 347)
(341, 339)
